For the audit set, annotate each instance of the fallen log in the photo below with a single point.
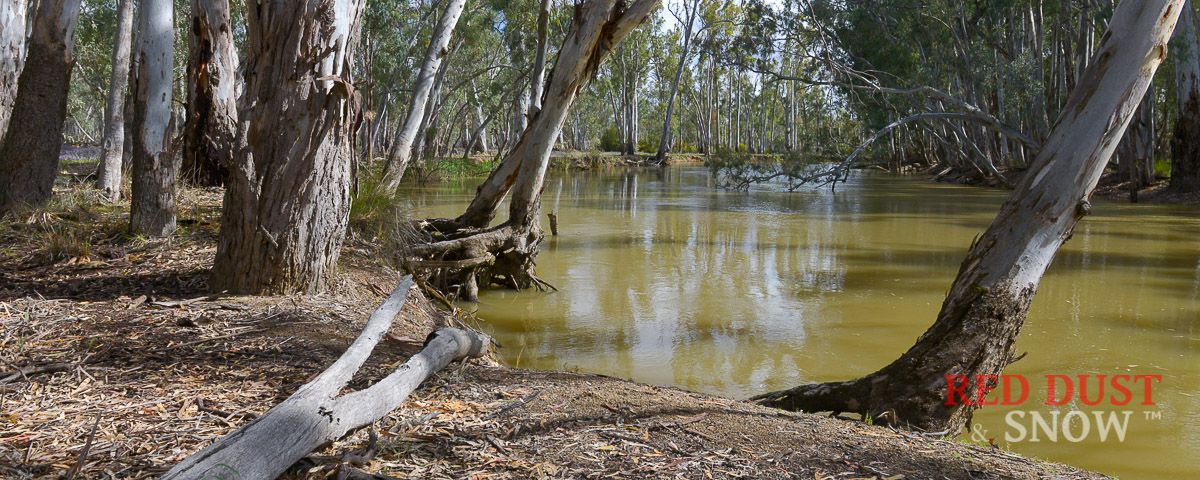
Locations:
(317, 414)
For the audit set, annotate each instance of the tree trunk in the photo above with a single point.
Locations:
(402, 148)
(989, 300)
(211, 127)
(664, 142)
(1136, 150)
(12, 55)
(287, 199)
(318, 414)
(108, 176)
(29, 153)
(152, 203)
(507, 251)
(539, 62)
(479, 137)
(1185, 144)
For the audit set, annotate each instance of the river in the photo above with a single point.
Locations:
(666, 280)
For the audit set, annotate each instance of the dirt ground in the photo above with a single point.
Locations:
(115, 342)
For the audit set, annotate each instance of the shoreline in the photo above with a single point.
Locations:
(134, 339)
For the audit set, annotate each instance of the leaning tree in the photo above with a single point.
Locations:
(287, 196)
(989, 300)
(402, 149)
(29, 152)
(463, 250)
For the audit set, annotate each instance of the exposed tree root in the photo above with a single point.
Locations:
(458, 259)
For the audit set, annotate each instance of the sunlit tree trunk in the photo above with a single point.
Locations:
(211, 126)
(402, 149)
(1185, 144)
(29, 150)
(989, 300)
(12, 55)
(108, 176)
(287, 198)
(152, 204)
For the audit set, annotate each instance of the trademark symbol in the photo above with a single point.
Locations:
(1155, 415)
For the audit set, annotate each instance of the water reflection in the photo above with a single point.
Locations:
(665, 280)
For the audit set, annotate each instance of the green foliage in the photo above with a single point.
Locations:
(1162, 167)
(610, 140)
(370, 207)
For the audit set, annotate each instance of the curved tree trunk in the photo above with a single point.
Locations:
(12, 55)
(989, 299)
(287, 198)
(108, 177)
(318, 413)
(211, 127)
(1185, 144)
(506, 252)
(152, 203)
(402, 148)
(29, 152)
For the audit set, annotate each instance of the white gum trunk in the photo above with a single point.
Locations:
(12, 54)
(599, 26)
(438, 48)
(152, 211)
(108, 177)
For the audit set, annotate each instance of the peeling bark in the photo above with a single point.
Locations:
(287, 197)
(989, 300)
(152, 204)
(211, 127)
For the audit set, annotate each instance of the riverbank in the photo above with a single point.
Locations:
(121, 332)
(1113, 186)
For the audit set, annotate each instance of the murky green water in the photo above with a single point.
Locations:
(666, 280)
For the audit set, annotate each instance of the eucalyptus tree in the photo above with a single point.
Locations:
(981, 317)
(29, 149)
(691, 10)
(287, 196)
(1185, 143)
(211, 126)
(12, 54)
(402, 152)
(468, 246)
(152, 203)
(112, 153)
